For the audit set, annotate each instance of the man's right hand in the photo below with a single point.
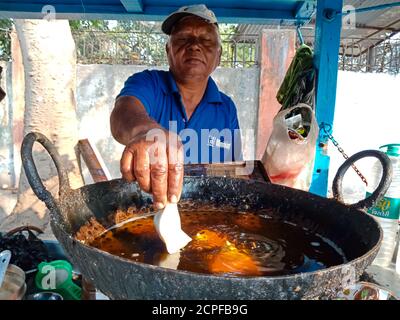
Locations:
(154, 158)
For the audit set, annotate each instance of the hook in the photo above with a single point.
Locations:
(299, 35)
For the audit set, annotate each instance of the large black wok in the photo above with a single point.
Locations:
(356, 233)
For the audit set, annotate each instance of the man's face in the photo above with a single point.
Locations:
(194, 49)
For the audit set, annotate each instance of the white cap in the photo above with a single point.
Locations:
(199, 10)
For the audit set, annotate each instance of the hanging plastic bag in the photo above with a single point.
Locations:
(289, 156)
(298, 86)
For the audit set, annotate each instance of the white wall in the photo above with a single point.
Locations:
(98, 85)
(367, 115)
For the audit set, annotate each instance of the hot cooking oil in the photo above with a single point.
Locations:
(225, 242)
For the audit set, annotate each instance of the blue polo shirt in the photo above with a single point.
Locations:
(212, 132)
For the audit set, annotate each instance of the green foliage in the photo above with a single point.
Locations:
(132, 42)
(119, 42)
(5, 40)
(236, 52)
(80, 25)
(142, 42)
(88, 35)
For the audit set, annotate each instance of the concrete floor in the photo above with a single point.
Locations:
(8, 199)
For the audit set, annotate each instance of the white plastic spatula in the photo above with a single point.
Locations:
(5, 257)
(167, 222)
(170, 261)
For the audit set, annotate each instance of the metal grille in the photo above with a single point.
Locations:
(98, 47)
(383, 56)
(142, 48)
(148, 48)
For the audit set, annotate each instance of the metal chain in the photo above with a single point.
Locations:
(336, 144)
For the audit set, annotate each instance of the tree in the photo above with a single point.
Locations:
(5, 41)
(49, 59)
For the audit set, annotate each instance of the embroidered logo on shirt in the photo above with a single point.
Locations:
(215, 142)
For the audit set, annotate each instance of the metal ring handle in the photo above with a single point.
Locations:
(32, 174)
(387, 172)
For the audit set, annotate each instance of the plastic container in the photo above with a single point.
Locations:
(13, 286)
(387, 210)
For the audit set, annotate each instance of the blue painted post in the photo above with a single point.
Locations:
(327, 42)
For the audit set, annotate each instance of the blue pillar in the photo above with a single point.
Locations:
(327, 42)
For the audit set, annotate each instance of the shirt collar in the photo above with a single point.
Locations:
(212, 94)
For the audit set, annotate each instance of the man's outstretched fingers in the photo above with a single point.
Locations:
(126, 165)
(142, 167)
(175, 172)
(159, 174)
(175, 181)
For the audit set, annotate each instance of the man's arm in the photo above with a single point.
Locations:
(155, 161)
(129, 118)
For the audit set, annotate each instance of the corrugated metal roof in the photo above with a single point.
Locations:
(370, 27)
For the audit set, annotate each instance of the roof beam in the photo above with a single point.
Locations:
(305, 10)
(152, 13)
(34, 11)
(373, 8)
(365, 26)
(368, 27)
(132, 5)
(378, 31)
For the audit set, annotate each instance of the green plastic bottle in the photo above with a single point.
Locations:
(59, 272)
(387, 210)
